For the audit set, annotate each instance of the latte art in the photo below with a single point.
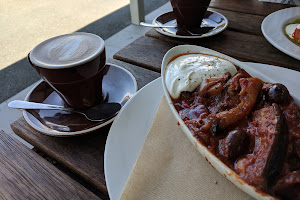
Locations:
(67, 50)
(74, 66)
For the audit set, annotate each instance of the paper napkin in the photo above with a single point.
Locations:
(170, 167)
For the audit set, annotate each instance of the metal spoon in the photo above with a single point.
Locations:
(98, 113)
(196, 31)
(156, 25)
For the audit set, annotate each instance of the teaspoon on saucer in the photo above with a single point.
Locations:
(197, 31)
(98, 113)
(157, 25)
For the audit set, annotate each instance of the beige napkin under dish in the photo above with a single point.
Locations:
(170, 167)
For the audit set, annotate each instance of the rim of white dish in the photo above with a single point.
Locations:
(191, 37)
(73, 133)
(281, 42)
(123, 170)
(222, 168)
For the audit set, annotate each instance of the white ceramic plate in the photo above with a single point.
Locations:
(127, 135)
(213, 160)
(272, 28)
(130, 128)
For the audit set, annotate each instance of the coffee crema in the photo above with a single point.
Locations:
(67, 50)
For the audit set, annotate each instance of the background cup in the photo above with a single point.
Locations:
(74, 66)
(189, 13)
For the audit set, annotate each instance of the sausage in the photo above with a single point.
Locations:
(213, 86)
(197, 112)
(262, 167)
(288, 187)
(250, 89)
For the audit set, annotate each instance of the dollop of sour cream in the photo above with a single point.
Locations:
(186, 72)
(290, 29)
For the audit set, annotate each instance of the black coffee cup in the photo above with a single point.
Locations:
(189, 13)
(73, 65)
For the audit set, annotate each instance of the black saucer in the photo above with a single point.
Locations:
(118, 86)
(212, 24)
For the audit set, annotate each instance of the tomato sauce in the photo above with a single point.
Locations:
(250, 125)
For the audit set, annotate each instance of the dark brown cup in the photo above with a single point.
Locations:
(189, 13)
(76, 70)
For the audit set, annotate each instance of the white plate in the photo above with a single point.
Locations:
(230, 174)
(127, 135)
(130, 128)
(272, 28)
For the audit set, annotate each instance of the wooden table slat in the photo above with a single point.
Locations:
(248, 6)
(81, 154)
(26, 175)
(149, 51)
(246, 23)
(145, 52)
(252, 48)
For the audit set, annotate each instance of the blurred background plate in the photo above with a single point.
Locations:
(273, 29)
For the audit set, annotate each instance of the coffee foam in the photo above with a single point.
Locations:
(67, 50)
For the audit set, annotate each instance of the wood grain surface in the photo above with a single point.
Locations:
(242, 39)
(248, 6)
(148, 51)
(26, 175)
(242, 46)
(84, 155)
(245, 23)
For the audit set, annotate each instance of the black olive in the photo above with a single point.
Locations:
(278, 93)
(235, 144)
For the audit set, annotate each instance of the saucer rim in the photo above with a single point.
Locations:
(159, 30)
(73, 133)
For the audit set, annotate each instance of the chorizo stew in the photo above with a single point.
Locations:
(250, 125)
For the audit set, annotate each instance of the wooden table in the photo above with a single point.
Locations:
(82, 157)
(242, 39)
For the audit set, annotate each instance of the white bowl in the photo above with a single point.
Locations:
(210, 157)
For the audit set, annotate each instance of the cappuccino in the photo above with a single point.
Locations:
(67, 50)
(73, 65)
